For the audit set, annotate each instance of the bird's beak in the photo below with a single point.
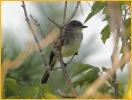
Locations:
(84, 26)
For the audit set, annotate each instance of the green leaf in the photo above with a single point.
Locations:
(50, 95)
(88, 76)
(81, 73)
(77, 68)
(125, 3)
(28, 91)
(129, 46)
(127, 24)
(11, 88)
(45, 88)
(45, 92)
(105, 88)
(105, 33)
(97, 7)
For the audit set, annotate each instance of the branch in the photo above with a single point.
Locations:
(114, 61)
(64, 18)
(98, 83)
(60, 56)
(73, 14)
(35, 37)
(37, 24)
(61, 94)
(53, 22)
(115, 65)
(66, 75)
(67, 78)
(71, 59)
(126, 12)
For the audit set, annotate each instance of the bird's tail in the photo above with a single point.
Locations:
(45, 77)
(51, 65)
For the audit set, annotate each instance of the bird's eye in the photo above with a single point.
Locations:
(74, 25)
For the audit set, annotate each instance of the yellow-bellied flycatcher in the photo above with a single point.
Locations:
(71, 39)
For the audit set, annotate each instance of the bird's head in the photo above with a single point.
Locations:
(75, 25)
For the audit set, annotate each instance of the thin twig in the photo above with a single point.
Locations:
(71, 59)
(61, 94)
(73, 14)
(35, 37)
(64, 18)
(128, 10)
(53, 22)
(63, 66)
(37, 24)
(35, 21)
(67, 78)
(57, 25)
(114, 61)
(81, 9)
(60, 56)
(125, 13)
(98, 83)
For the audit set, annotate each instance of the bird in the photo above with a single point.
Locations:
(70, 40)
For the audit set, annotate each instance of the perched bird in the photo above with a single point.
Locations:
(70, 39)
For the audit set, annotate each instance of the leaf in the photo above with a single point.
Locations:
(82, 73)
(28, 91)
(50, 95)
(76, 68)
(105, 88)
(88, 76)
(125, 2)
(45, 92)
(97, 7)
(11, 88)
(105, 33)
(45, 88)
(127, 24)
(129, 46)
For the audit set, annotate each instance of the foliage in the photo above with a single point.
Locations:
(24, 82)
(97, 7)
(105, 33)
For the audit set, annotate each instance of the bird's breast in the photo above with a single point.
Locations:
(72, 45)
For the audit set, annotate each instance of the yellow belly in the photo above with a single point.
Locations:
(69, 50)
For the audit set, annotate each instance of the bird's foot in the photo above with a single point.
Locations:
(76, 53)
(65, 65)
(57, 68)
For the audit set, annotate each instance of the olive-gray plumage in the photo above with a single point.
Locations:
(71, 39)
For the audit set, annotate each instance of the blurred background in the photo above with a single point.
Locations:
(92, 53)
